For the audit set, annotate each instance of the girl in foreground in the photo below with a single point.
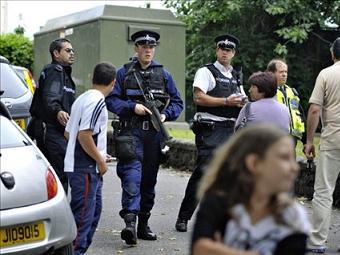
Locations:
(246, 203)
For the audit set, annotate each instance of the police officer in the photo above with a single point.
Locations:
(138, 170)
(219, 96)
(52, 103)
(290, 97)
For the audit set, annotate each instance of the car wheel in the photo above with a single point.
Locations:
(66, 250)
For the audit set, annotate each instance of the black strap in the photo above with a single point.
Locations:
(217, 73)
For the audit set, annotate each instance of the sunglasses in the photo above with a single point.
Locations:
(68, 50)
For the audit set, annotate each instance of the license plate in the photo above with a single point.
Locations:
(21, 123)
(22, 234)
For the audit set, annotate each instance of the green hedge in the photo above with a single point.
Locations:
(18, 49)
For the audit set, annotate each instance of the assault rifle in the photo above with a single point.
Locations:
(152, 104)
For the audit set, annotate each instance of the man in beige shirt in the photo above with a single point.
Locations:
(325, 103)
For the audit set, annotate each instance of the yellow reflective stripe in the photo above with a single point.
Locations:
(29, 81)
(297, 126)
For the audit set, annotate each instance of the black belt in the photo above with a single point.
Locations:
(143, 124)
(226, 123)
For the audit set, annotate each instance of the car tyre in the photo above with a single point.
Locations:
(66, 250)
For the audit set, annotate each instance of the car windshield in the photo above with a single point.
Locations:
(11, 84)
(20, 72)
(10, 136)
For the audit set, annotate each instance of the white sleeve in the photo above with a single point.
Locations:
(91, 113)
(204, 80)
(297, 216)
(67, 128)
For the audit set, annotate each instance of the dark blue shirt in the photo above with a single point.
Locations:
(125, 108)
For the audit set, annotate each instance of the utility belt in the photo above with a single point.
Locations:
(136, 123)
(198, 125)
(227, 123)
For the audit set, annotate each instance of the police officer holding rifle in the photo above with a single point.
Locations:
(144, 97)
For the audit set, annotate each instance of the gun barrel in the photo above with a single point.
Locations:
(150, 104)
(157, 122)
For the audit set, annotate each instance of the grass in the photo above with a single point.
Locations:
(189, 135)
(181, 133)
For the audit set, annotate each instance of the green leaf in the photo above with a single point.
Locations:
(18, 49)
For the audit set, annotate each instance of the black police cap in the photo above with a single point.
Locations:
(226, 41)
(145, 37)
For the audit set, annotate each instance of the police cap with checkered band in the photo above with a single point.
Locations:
(145, 37)
(227, 41)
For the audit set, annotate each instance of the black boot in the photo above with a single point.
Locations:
(143, 230)
(128, 234)
(181, 225)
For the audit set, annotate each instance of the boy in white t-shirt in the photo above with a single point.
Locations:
(85, 159)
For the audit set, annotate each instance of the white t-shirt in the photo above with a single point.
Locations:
(205, 81)
(88, 113)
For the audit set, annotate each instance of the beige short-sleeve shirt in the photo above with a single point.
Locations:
(326, 93)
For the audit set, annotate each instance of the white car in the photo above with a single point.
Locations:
(35, 216)
(14, 93)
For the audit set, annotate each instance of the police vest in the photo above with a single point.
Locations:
(224, 88)
(292, 101)
(151, 79)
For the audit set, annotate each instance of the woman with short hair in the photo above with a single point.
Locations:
(264, 108)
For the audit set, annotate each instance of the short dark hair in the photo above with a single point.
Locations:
(103, 74)
(265, 82)
(271, 67)
(57, 44)
(336, 48)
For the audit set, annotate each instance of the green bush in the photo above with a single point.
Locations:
(18, 49)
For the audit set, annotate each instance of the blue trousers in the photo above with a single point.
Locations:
(86, 205)
(139, 176)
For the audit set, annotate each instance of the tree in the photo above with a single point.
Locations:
(19, 30)
(266, 29)
(18, 49)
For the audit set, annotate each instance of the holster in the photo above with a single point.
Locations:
(125, 147)
(116, 127)
(197, 126)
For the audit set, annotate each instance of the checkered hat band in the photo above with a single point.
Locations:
(226, 43)
(145, 38)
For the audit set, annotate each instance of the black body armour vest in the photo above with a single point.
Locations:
(152, 79)
(224, 88)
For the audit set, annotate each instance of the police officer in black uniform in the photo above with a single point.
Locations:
(138, 145)
(219, 96)
(52, 103)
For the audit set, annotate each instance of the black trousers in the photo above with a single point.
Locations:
(206, 142)
(55, 147)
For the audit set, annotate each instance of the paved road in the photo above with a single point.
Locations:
(170, 189)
